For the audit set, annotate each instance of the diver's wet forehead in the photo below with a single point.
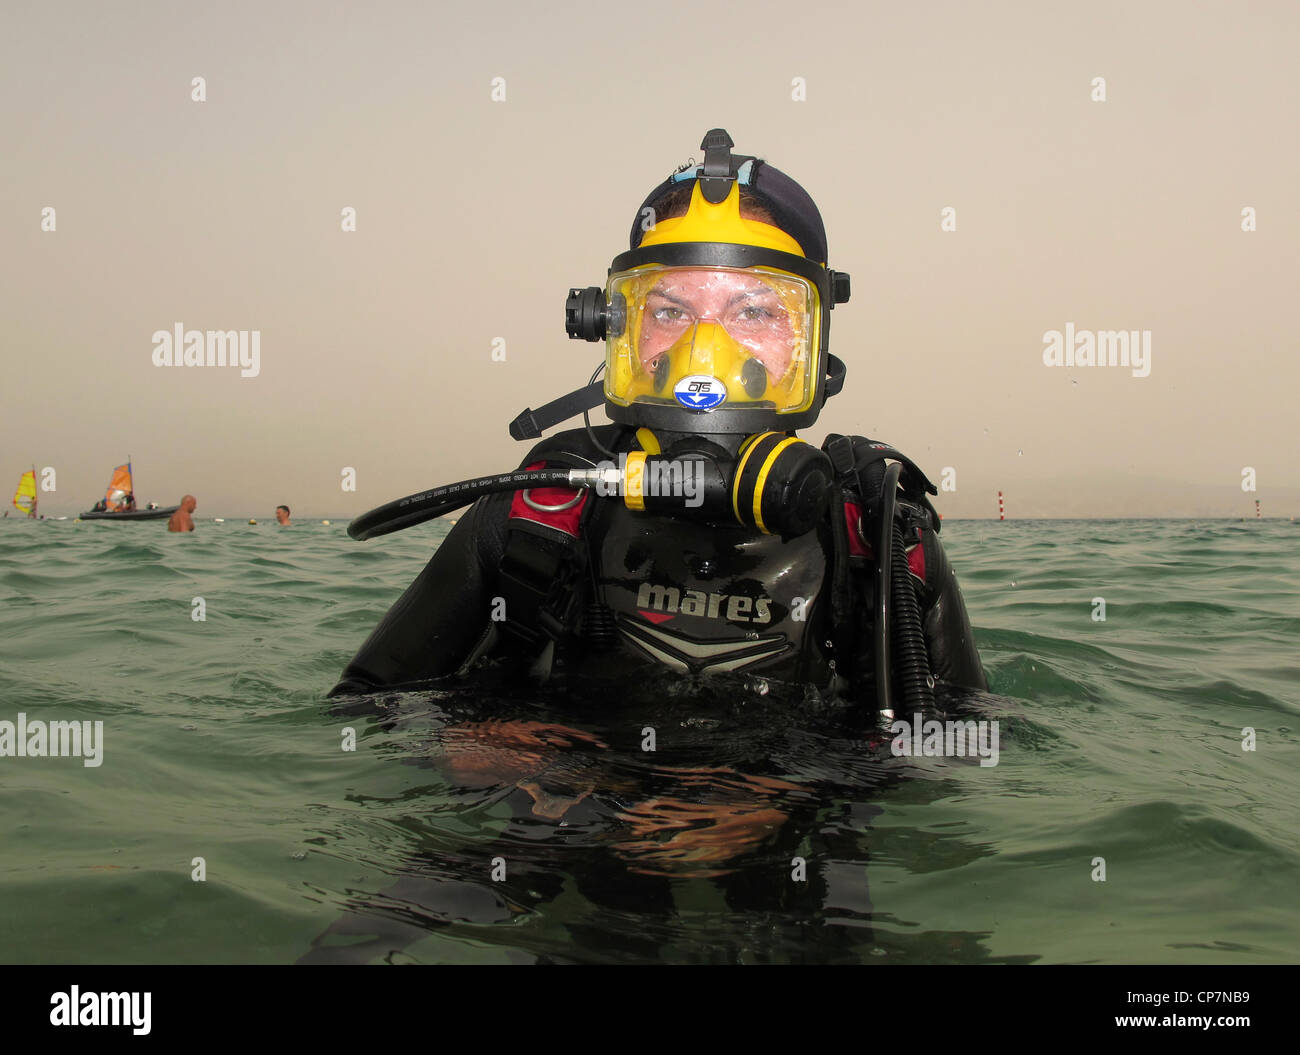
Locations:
(691, 287)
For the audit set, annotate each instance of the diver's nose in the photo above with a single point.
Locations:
(707, 341)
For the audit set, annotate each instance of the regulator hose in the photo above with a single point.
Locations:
(910, 658)
(884, 553)
(417, 508)
(898, 613)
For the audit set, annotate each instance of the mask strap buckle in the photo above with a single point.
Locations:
(716, 174)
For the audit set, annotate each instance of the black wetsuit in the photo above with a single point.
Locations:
(685, 598)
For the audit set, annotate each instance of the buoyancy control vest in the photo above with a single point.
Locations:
(590, 579)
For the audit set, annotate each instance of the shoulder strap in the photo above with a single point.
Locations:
(861, 457)
(540, 574)
(543, 571)
(866, 451)
(860, 472)
(851, 589)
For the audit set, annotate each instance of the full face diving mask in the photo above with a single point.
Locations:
(712, 339)
(716, 320)
(716, 326)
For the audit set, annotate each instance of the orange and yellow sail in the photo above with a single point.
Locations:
(25, 496)
(118, 488)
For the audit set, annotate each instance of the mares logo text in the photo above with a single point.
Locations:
(732, 607)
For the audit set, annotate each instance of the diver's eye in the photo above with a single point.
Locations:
(667, 314)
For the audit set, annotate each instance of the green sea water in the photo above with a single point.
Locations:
(1121, 748)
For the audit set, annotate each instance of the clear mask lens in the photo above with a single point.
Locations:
(747, 335)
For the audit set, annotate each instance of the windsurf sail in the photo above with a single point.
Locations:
(118, 488)
(25, 496)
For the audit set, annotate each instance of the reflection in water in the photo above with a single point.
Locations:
(744, 836)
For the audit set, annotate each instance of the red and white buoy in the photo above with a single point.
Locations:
(1002, 511)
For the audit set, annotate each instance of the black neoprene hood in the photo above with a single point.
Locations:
(792, 209)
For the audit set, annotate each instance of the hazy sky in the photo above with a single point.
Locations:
(474, 217)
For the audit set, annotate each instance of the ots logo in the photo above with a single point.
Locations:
(732, 607)
(700, 392)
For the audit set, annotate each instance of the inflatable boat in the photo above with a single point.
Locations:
(133, 514)
(119, 501)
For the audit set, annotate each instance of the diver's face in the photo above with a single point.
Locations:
(744, 305)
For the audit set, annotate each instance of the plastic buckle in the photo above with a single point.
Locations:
(840, 452)
(525, 426)
(716, 174)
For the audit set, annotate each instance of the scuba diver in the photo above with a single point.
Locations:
(695, 543)
(697, 534)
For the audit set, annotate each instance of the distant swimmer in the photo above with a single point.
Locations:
(282, 515)
(181, 519)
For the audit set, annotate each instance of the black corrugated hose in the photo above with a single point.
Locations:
(897, 627)
(910, 658)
